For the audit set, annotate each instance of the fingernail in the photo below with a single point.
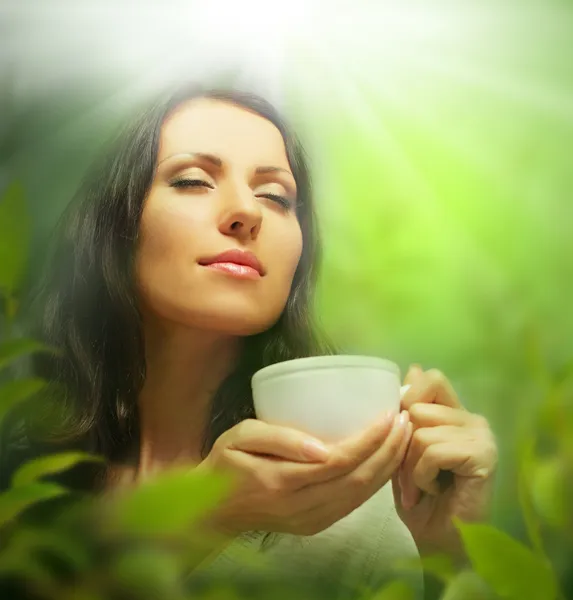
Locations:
(404, 501)
(403, 418)
(482, 473)
(404, 389)
(315, 450)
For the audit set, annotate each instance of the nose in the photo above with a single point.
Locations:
(242, 216)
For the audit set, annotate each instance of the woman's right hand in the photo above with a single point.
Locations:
(289, 482)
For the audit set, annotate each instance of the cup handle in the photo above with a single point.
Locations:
(404, 389)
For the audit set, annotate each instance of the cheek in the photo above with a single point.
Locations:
(165, 245)
(290, 254)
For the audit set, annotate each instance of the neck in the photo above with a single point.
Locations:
(184, 368)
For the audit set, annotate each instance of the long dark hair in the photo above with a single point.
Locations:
(89, 307)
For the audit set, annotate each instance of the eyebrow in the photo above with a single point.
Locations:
(217, 162)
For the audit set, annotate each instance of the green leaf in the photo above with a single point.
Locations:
(510, 568)
(467, 586)
(14, 238)
(16, 500)
(25, 541)
(551, 484)
(149, 571)
(13, 349)
(439, 565)
(532, 522)
(48, 465)
(26, 567)
(17, 391)
(85, 593)
(169, 503)
(396, 590)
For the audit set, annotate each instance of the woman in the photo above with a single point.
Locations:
(187, 263)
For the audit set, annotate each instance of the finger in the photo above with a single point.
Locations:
(344, 456)
(258, 437)
(413, 374)
(378, 469)
(463, 459)
(432, 415)
(349, 453)
(431, 387)
(423, 438)
(352, 489)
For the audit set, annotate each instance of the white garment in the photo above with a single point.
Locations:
(359, 551)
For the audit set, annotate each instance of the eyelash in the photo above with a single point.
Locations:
(185, 183)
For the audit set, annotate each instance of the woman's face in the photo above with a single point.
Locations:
(223, 183)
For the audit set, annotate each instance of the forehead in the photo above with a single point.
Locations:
(232, 132)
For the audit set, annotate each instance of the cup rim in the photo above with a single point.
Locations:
(331, 361)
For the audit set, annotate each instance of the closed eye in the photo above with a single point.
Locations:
(185, 183)
(281, 200)
(189, 183)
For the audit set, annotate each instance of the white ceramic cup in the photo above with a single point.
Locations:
(329, 397)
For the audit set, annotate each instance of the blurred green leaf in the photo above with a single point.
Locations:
(14, 392)
(565, 372)
(14, 238)
(509, 567)
(24, 542)
(86, 593)
(27, 566)
(48, 465)
(13, 349)
(396, 590)
(12, 305)
(531, 518)
(16, 500)
(468, 586)
(149, 572)
(550, 487)
(170, 502)
(439, 565)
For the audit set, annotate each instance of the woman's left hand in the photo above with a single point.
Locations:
(449, 467)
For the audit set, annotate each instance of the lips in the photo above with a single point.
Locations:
(236, 257)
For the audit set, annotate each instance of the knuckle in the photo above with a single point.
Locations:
(343, 460)
(245, 426)
(481, 422)
(492, 453)
(222, 441)
(419, 438)
(436, 377)
(362, 478)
